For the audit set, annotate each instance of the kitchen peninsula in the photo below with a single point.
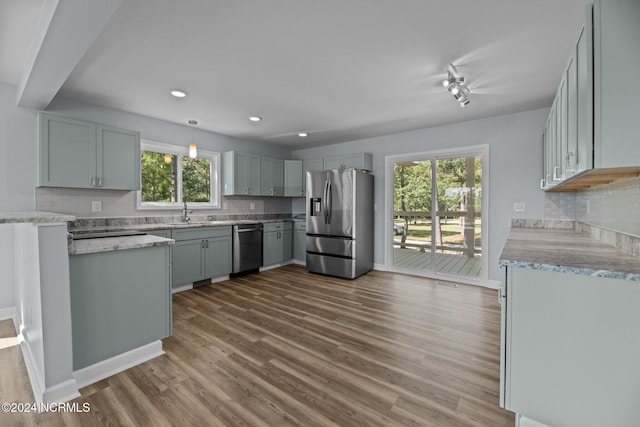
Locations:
(569, 324)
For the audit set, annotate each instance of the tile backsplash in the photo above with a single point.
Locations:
(613, 207)
(78, 202)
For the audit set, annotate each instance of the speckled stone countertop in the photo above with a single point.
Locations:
(108, 244)
(36, 217)
(567, 250)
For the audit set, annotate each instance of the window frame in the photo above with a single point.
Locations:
(179, 151)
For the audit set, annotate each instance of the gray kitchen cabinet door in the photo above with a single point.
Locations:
(359, 161)
(271, 248)
(287, 245)
(293, 178)
(241, 174)
(218, 256)
(584, 83)
(272, 181)
(67, 152)
(188, 262)
(118, 161)
(334, 162)
(300, 241)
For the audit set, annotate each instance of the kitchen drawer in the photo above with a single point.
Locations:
(200, 232)
(277, 226)
(300, 225)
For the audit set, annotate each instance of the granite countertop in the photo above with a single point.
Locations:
(567, 251)
(172, 225)
(108, 244)
(38, 217)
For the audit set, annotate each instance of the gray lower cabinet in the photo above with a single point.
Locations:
(79, 154)
(277, 243)
(300, 241)
(570, 348)
(120, 300)
(201, 253)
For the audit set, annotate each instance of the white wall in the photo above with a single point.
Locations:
(7, 290)
(515, 156)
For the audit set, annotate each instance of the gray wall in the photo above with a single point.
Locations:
(17, 153)
(123, 203)
(515, 161)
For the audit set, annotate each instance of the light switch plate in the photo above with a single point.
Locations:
(252, 206)
(518, 207)
(96, 206)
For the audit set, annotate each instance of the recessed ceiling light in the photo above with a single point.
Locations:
(255, 118)
(303, 134)
(179, 93)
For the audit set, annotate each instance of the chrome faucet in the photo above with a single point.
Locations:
(185, 213)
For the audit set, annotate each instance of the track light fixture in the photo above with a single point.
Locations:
(456, 85)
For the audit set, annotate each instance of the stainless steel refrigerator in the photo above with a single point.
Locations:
(340, 222)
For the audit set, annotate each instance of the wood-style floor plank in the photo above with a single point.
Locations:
(288, 348)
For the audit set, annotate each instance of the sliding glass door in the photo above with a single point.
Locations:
(437, 214)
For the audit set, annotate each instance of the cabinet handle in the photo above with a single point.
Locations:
(201, 244)
(555, 176)
(542, 183)
(207, 243)
(93, 181)
(100, 181)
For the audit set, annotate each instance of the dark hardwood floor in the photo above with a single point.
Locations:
(285, 347)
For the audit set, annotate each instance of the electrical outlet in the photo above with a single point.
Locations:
(252, 206)
(518, 207)
(225, 205)
(96, 206)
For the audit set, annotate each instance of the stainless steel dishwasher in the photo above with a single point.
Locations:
(247, 247)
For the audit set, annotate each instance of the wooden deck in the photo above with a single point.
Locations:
(454, 264)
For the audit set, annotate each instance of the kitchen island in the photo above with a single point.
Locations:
(569, 327)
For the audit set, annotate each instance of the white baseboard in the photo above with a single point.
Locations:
(8, 313)
(182, 288)
(62, 392)
(379, 267)
(298, 262)
(101, 370)
(526, 422)
(35, 378)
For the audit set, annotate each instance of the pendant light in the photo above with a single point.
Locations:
(193, 148)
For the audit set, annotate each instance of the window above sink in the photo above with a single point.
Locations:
(170, 177)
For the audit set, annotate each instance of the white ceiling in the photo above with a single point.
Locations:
(338, 69)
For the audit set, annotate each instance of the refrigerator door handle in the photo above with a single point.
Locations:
(329, 202)
(324, 201)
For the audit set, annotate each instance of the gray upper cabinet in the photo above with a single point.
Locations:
(293, 178)
(358, 161)
(272, 177)
(592, 127)
(241, 174)
(79, 154)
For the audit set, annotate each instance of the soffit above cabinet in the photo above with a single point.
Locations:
(596, 177)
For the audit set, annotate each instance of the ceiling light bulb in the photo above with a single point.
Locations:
(454, 90)
(446, 82)
(193, 151)
(303, 135)
(255, 118)
(464, 102)
(178, 93)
